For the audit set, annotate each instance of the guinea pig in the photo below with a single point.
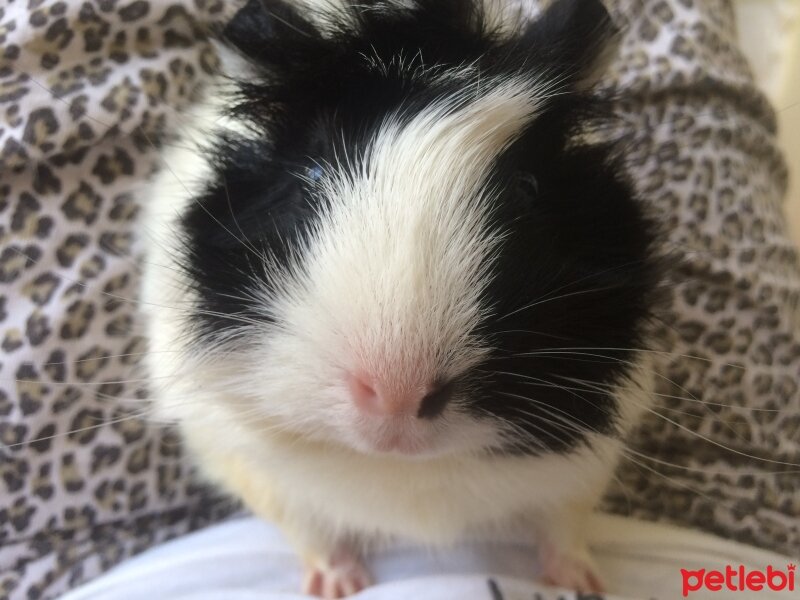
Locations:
(398, 283)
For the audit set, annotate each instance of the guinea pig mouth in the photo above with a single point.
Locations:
(396, 438)
(399, 444)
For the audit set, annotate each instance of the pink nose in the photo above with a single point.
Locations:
(373, 399)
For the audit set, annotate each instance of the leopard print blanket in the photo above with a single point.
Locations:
(85, 90)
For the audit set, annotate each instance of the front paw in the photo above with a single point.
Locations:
(570, 570)
(337, 576)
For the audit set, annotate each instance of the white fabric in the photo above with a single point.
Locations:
(247, 559)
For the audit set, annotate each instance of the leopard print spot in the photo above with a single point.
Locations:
(732, 375)
(16, 259)
(13, 472)
(23, 219)
(5, 404)
(70, 475)
(84, 426)
(12, 340)
(66, 400)
(12, 434)
(785, 389)
(137, 497)
(89, 364)
(107, 493)
(78, 106)
(120, 327)
(55, 367)
(58, 9)
(109, 391)
(30, 389)
(69, 82)
(42, 483)
(133, 352)
(44, 226)
(134, 11)
(117, 53)
(93, 267)
(169, 477)
(104, 457)
(699, 138)
(747, 256)
(663, 12)
(42, 123)
(13, 152)
(42, 288)
(38, 18)
(154, 85)
(717, 300)
(122, 98)
(170, 446)
(42, 440)
(19, 515)
(648, 30)
(118, 244)
(11, 52)
(124, 208)
(699, 205)
(93, 28)
(690, 331)
(177, 39)
(14, 93)
(109, 167)
(77, 319)
(80, 519)
(112, 289)
(139, 460)
(59, 35)
(71, 248)
(82, 204)
(131, 428)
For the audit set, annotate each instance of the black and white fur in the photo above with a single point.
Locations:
(404, 189)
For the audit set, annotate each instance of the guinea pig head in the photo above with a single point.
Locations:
(423, 253)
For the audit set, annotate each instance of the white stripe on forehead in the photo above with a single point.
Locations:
(399, 259)
(502, 16)
(466, 140)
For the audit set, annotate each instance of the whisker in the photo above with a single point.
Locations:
(192, 311)
(732, 471)
(548, 295)
(708, 410)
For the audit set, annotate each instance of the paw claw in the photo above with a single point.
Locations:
(573, 572)
(335, 579)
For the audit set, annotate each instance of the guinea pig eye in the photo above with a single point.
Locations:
(528, 185)
(314, 173)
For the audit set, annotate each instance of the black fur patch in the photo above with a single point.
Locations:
(255, 207)
(574, 284)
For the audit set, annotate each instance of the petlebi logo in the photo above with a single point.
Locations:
(739, 579)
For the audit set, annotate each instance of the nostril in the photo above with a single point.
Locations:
(363, 394)
(434, 403)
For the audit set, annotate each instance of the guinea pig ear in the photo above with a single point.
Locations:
(263, 30)
(576, 38)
